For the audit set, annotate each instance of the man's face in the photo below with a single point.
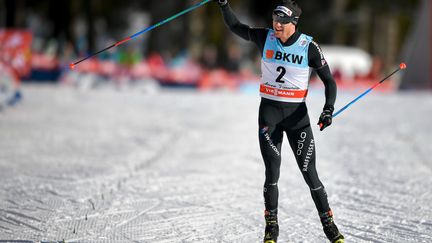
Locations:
(282, 22)
(282, 29)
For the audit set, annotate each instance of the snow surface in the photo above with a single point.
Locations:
(177, 166)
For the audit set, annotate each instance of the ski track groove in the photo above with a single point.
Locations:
(4, 228)
(18, 223)
(5, 220)
(141, 213)
(21, 215)
(123, 179)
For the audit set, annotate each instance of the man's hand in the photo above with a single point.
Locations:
(326, 116)
(221, 2)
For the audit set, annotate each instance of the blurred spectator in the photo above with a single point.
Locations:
(234, 59)
(209, 57)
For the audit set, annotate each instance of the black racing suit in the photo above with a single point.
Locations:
(276, 117)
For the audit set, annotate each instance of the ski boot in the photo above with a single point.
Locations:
(272, 228)
(330, 228)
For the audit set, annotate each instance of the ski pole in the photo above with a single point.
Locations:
(401, 67)
(72, 65)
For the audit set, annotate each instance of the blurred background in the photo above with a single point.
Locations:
(362, 40)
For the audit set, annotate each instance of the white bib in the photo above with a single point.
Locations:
(285, 69)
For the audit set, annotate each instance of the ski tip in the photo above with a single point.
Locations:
(402, 66)
(72, 66)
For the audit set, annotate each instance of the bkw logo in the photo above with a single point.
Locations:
(286, 57)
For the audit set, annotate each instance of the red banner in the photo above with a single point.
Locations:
(15, 50)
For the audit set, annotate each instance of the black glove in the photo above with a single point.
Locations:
(326, 116)
(221, 2)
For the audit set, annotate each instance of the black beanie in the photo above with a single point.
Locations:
(293, 6)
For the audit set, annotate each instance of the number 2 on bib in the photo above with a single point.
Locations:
(282, 71)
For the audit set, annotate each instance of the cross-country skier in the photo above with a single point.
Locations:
(287, 56)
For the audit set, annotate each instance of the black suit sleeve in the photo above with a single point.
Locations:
(319, 64)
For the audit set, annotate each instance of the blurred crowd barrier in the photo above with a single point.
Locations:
(15, 63)
(126, 67)
(181, 71)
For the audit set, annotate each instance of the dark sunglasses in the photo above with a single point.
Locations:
(281, 19)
